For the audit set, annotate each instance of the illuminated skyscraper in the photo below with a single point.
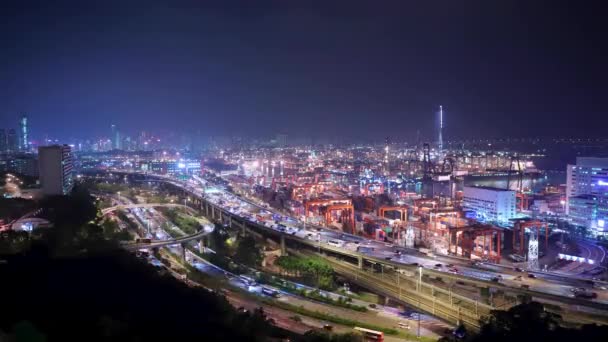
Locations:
(440, 140)
(23, 135)
(116, 143)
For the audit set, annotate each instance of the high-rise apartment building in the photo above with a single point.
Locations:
(587, 194)
(55, 163)
(116, 141)
(3, 141)
(281, 140)
(11, 141)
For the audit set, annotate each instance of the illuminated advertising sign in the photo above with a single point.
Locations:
(602, 183)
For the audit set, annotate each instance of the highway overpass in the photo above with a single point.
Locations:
(164, 243)
(407, 288)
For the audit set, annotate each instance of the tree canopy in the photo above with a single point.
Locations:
(532, 322)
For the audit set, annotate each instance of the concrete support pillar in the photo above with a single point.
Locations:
(498, 246)
(183, 251)
(201, 245)
(360, 262)
(283, 250)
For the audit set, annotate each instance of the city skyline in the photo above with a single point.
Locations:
(331, 70)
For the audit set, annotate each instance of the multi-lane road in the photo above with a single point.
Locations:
(539, 282)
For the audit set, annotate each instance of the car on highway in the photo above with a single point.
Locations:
(531, 275)
(600, 287)
(518, 278)
(517, 269)
(388, 258)
(438, 265)
(403, 325)
(453, 270)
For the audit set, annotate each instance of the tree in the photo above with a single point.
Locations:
(322, 336)
(26, 331)
(531, 322)
(247, 252)
(218, 239)
(110, 227)
(12, 242)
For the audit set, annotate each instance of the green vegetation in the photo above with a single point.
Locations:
(71, 282)
(13, 208)
(313, 270)
(111, 188)
(532, 322)
(112, 231)
(313, 336)
(247, 253)
(326, 317)
(156, 199)
(187, 224)
(344, 302)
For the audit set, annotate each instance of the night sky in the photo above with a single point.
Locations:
(314, 69)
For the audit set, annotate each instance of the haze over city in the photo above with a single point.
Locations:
(314, 69)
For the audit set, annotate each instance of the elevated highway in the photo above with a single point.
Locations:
(164, 243)
(404, 282)
(207, 229)
(142, 205)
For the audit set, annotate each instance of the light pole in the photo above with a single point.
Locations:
(319, 242)
(419, 312)
(420, 279)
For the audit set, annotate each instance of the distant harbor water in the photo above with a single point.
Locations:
(535, 183)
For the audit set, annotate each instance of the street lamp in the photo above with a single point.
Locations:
(420, 279)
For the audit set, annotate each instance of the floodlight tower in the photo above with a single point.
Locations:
(440, 140)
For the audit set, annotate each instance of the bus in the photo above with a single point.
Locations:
(270, 292)
(370, 335)
(335, 243)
